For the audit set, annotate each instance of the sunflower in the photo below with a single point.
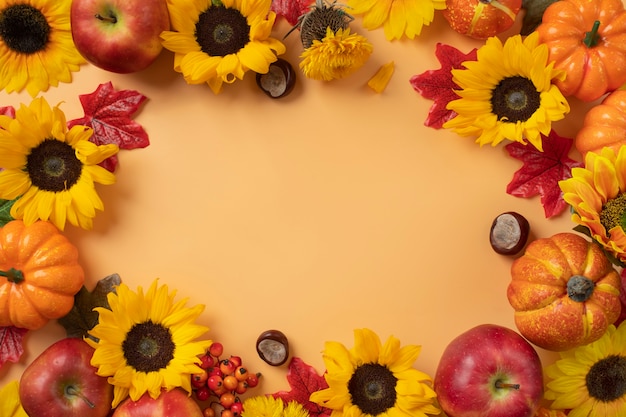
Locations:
(507, 93)
(373, 379)
(49, 170)
(330, 50)
(398, 17)
(146, 342)
(268, 406)
(217, 42)
(590, 380)
(597, 195)
(36, 46)
(10, 406)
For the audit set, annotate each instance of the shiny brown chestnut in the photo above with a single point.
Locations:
(279, 80)
(273, 347)
(509, 233)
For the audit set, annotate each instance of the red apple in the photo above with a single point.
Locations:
(120, 36)
(61, 382)
(489, 371)
(174, 403)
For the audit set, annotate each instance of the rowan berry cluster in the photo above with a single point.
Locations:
(222, 379)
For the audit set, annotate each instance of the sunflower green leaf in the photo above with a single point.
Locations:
(534, 13)
(82, 318)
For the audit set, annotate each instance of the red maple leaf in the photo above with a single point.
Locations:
(108, 112)
(11, 348)
(437, 85)
(542, 171)
(622, 299)
(291, 10)
(304, 381)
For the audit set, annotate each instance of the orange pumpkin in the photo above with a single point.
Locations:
(39, 274)
(480, 19)
(604, 125)
(587, 40)
(565, 292)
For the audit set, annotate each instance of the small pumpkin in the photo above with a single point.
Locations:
(587, 40)
(39, 274)
(481, 19)
(565, 292)
(604, 125)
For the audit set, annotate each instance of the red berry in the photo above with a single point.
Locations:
(241, 373)
(203, 393)
(216, 349)
(230, 382)
(227, 413)
(253, 380)
(236, 360)
(242, 387)
(215, 371)
(208, 412)
(199, 379)
(237, 408)
(227, 366)
(227, 399)
(206, 361)
(214, 382)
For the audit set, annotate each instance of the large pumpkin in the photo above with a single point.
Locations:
(39, 274)
(587, 40)
(565, 292)
(604, 125)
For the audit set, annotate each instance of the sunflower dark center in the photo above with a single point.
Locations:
(222, 31)
(148, 347)
(612, 213)
(606, 380)
(515, 99)
(53, 166)
(373, 388)
(314, 24)
(24, 28)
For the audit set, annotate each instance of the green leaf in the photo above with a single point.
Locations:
(5, 211)
(534, 14)
(81, 318)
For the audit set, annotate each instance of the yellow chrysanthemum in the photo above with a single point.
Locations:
(507, 93)
(337, 55)
(373, 379)
(50, 170)
(268, 406)
(36, 46)
(218, 44)
(147, 342)
(597, 194)
(398, 17)
(10, 405)
(590, 380)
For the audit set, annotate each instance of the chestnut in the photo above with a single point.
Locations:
(273, 347)
(509, 233)
(279, 79)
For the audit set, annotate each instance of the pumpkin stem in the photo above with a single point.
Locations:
(591, 37)
(13, 275)
(580, 288)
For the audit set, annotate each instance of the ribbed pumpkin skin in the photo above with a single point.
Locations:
(604, 125)
(51, 274)
(538, 292)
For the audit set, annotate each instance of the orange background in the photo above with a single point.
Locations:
(332, 209)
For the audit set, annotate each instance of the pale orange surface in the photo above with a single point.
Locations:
(332, 209)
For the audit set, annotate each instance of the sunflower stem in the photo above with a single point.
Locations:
(13, 275)
(591, 37)
(502, 385)
(71, 390)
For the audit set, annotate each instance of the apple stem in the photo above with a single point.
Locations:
(111, 19)
(502, 385)
(70, 390)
